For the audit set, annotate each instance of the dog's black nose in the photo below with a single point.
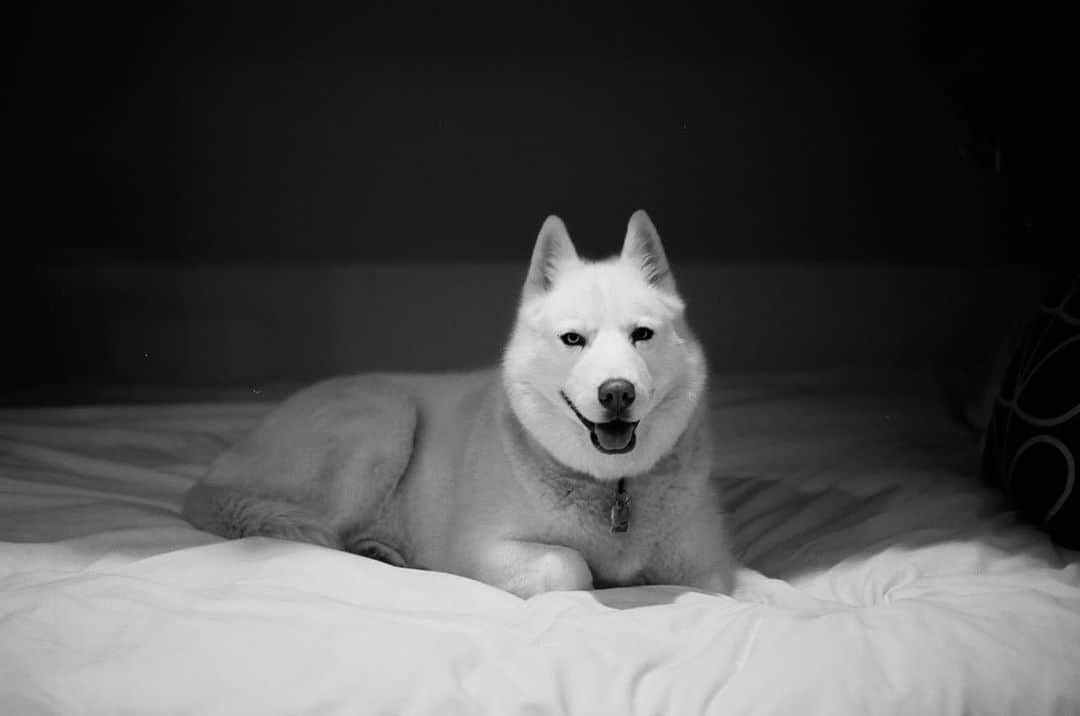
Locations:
(616, 395)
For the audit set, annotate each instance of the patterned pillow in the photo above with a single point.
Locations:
(1032, 447)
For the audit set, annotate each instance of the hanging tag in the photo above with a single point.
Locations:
(620, 509)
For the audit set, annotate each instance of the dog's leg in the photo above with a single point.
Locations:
(320, 468)
(232, 513)
(529, 568)
(698, 553)
(712, 569)
(718, 578)
(374, 549)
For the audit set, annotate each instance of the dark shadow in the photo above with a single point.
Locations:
(637, 597)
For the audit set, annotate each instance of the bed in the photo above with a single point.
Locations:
(880, 577)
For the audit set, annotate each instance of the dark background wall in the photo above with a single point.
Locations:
(247, 137)
(272, 131)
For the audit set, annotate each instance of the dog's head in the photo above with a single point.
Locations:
(602, 369)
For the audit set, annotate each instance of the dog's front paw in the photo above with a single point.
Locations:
(720, 580)
(379, 551)
(561, 570)
(530, 568)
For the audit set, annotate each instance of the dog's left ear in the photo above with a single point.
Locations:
(642, 246)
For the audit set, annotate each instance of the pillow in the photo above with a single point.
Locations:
(1032, 446)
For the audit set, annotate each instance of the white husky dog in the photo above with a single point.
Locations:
(583, 462)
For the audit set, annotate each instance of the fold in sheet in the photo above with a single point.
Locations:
(881, 578)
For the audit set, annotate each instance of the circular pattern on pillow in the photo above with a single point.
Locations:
(1032, 448)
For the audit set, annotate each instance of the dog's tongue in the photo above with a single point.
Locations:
(614, 436)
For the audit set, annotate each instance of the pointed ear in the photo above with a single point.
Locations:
(642, 246)
(553, 251)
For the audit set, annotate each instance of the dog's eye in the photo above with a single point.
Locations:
(573, 339)
(641, 333)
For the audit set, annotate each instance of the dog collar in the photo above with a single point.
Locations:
(620, 509)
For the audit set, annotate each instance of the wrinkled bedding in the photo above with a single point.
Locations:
(880, 577)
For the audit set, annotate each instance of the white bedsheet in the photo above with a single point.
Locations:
(896, 585)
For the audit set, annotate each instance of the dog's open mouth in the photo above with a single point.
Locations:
(613, 437)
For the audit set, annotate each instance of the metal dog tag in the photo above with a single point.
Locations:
(620, 509)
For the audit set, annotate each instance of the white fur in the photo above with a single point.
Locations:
(604, 302)
(491, 475)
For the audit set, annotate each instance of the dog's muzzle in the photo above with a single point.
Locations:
(614, 437)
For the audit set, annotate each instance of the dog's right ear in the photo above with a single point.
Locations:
(553, 251)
